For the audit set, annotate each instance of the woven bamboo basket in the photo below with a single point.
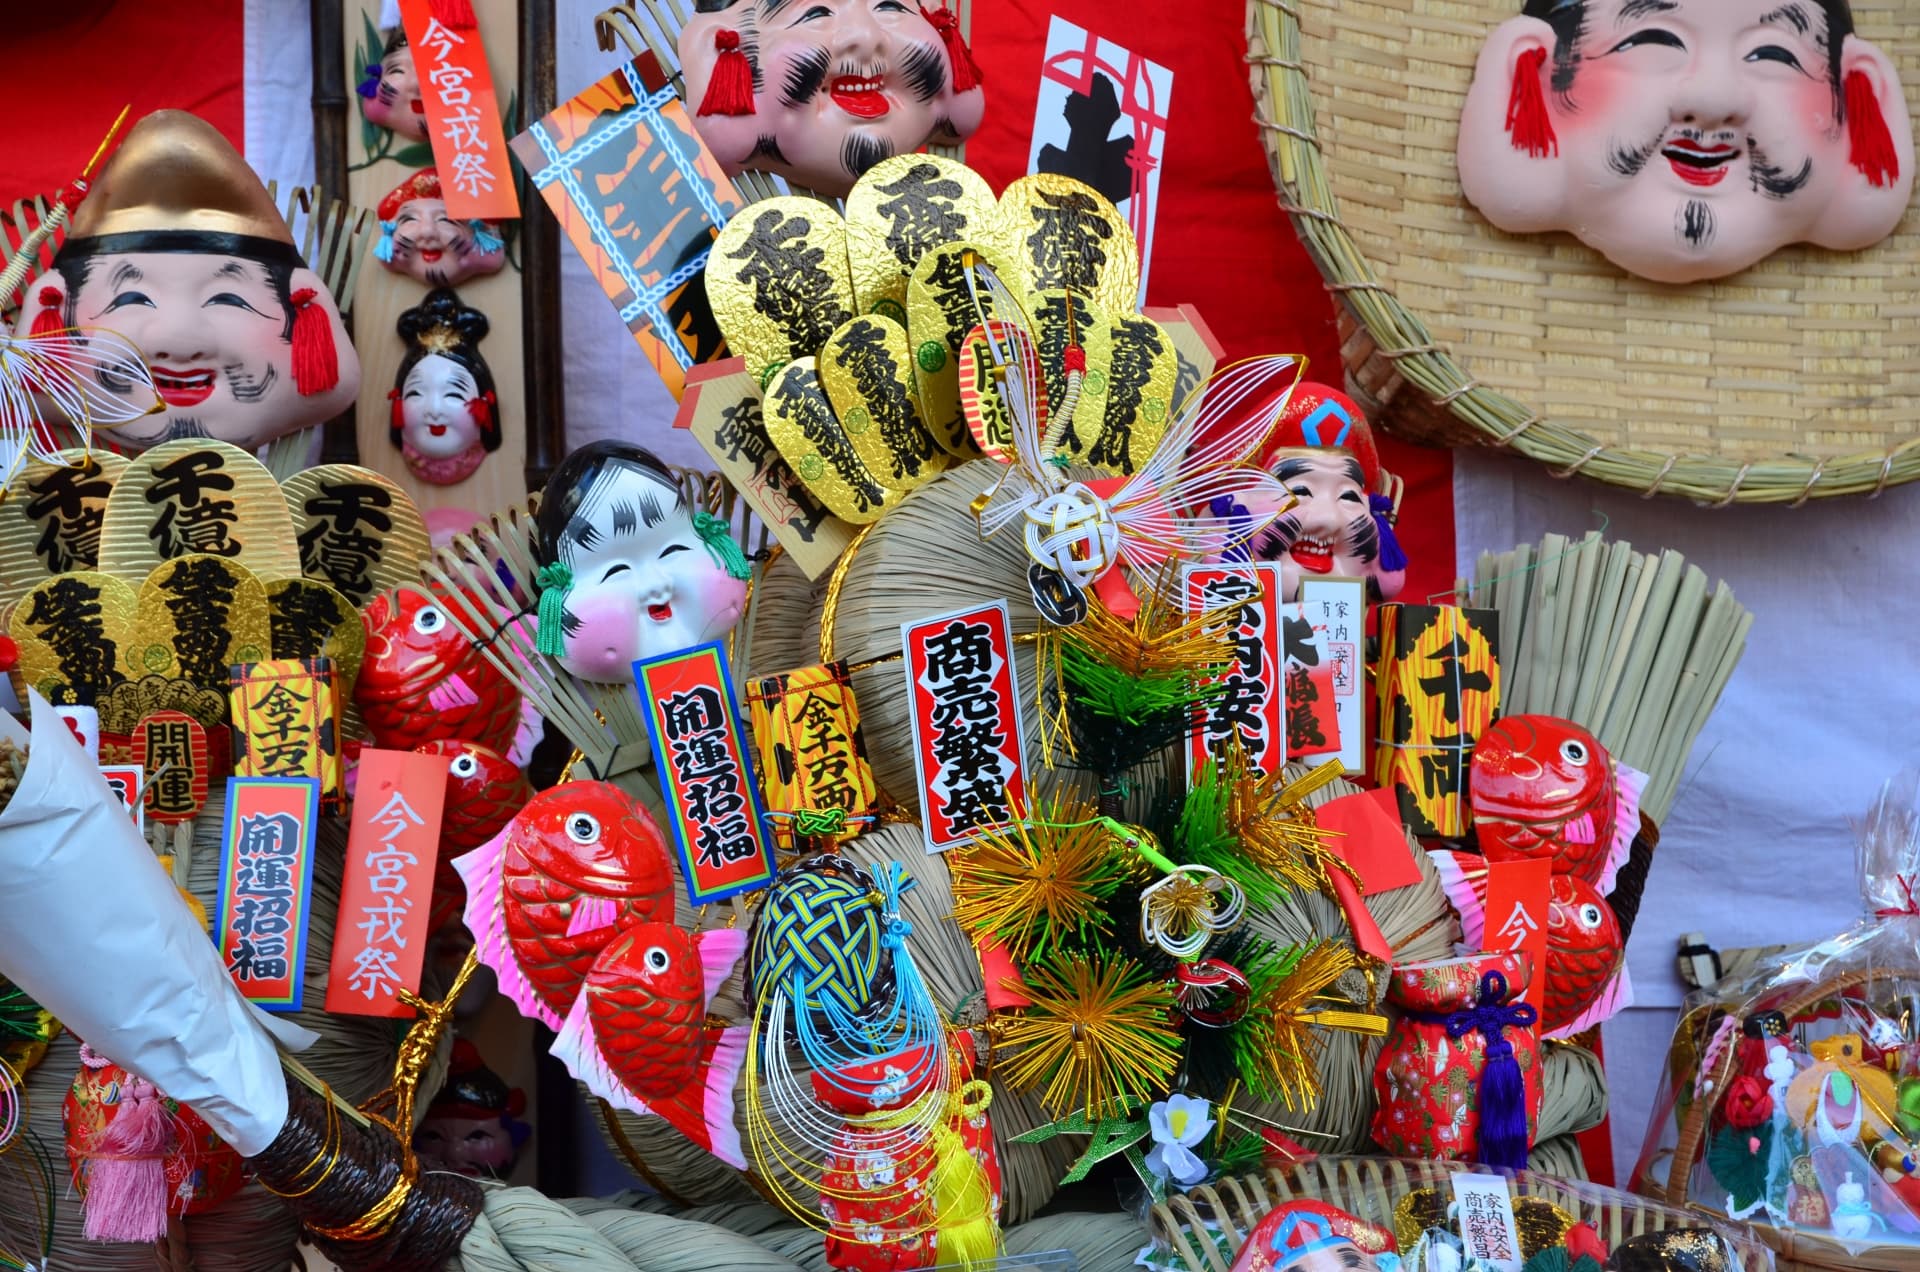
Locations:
(1794, 380)
(1197, 1224)
(1798, 1250)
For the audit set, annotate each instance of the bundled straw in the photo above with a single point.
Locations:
(1631, 647)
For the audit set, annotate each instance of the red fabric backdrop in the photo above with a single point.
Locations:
(70, 65)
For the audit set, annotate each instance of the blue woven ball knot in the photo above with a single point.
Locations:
(819, 936)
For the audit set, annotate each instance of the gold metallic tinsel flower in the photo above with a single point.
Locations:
(1275, 1043)
(1044, 879)
(1161, 639)
(1276, 828)
(1098, 1036)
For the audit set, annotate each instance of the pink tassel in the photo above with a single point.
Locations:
(127, 1172)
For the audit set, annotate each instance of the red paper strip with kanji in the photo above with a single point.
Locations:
(968, 748)
(171, 749)
(380, 938)
(463, 117)
(124, 781)
(266, 886)
(706, 775)
(1249, 709)
(1518, 896)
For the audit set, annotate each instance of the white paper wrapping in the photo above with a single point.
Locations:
(92, 928)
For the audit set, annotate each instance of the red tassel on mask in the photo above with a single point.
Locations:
(1872, 145)
(730, 90)
(481, 408)
(966, 73)
(127, 1171)
(456, 15)
(316, 365)
(47, 321)
(396, 418)
(1527, 121)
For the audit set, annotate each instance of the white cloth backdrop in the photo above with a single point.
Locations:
(1758, 849)
(1825, 706)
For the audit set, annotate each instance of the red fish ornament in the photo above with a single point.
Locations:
(484, 790)
(547, 894)
(639, 1037)
(1545, 787)
(423, 681)
(1586, 976)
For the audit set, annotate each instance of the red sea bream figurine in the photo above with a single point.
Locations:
(424, 681)
(547, 894)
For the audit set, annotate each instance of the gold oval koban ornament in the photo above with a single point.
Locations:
(1798, 378)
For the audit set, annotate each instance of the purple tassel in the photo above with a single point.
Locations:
(1240, 521)
(369, 87)
(1502, 1098)
(1391, 557)
(1503, 1109)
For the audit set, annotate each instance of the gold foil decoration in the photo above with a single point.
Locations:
(286, 723)
(1071, 237)
(940, 313)
(72, 631)
(197, 497)
(198, 616)
(1059, 319)
(866, 368)
(812, 756)
(1135, 393)
(778, 283)
(801, 422)
(901, 209)
(122, 710)
(358, 532)
(50, 521)
(306, 619)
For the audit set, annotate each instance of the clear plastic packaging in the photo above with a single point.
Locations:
(1792, 1094)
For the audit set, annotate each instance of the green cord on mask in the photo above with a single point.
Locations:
(718, 536)
(549, 636)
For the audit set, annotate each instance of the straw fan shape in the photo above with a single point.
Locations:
(1793, 380)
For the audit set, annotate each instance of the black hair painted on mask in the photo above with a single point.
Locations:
(442, 308)
(1568, 18)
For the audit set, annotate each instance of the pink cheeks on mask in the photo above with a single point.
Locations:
(607, 641)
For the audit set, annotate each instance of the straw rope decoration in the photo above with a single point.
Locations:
(1634, 648)
(1795, 379)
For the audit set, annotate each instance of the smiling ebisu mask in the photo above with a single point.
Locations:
(628, 569)
(179, 249)
(819, 91)
(1687, 139)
